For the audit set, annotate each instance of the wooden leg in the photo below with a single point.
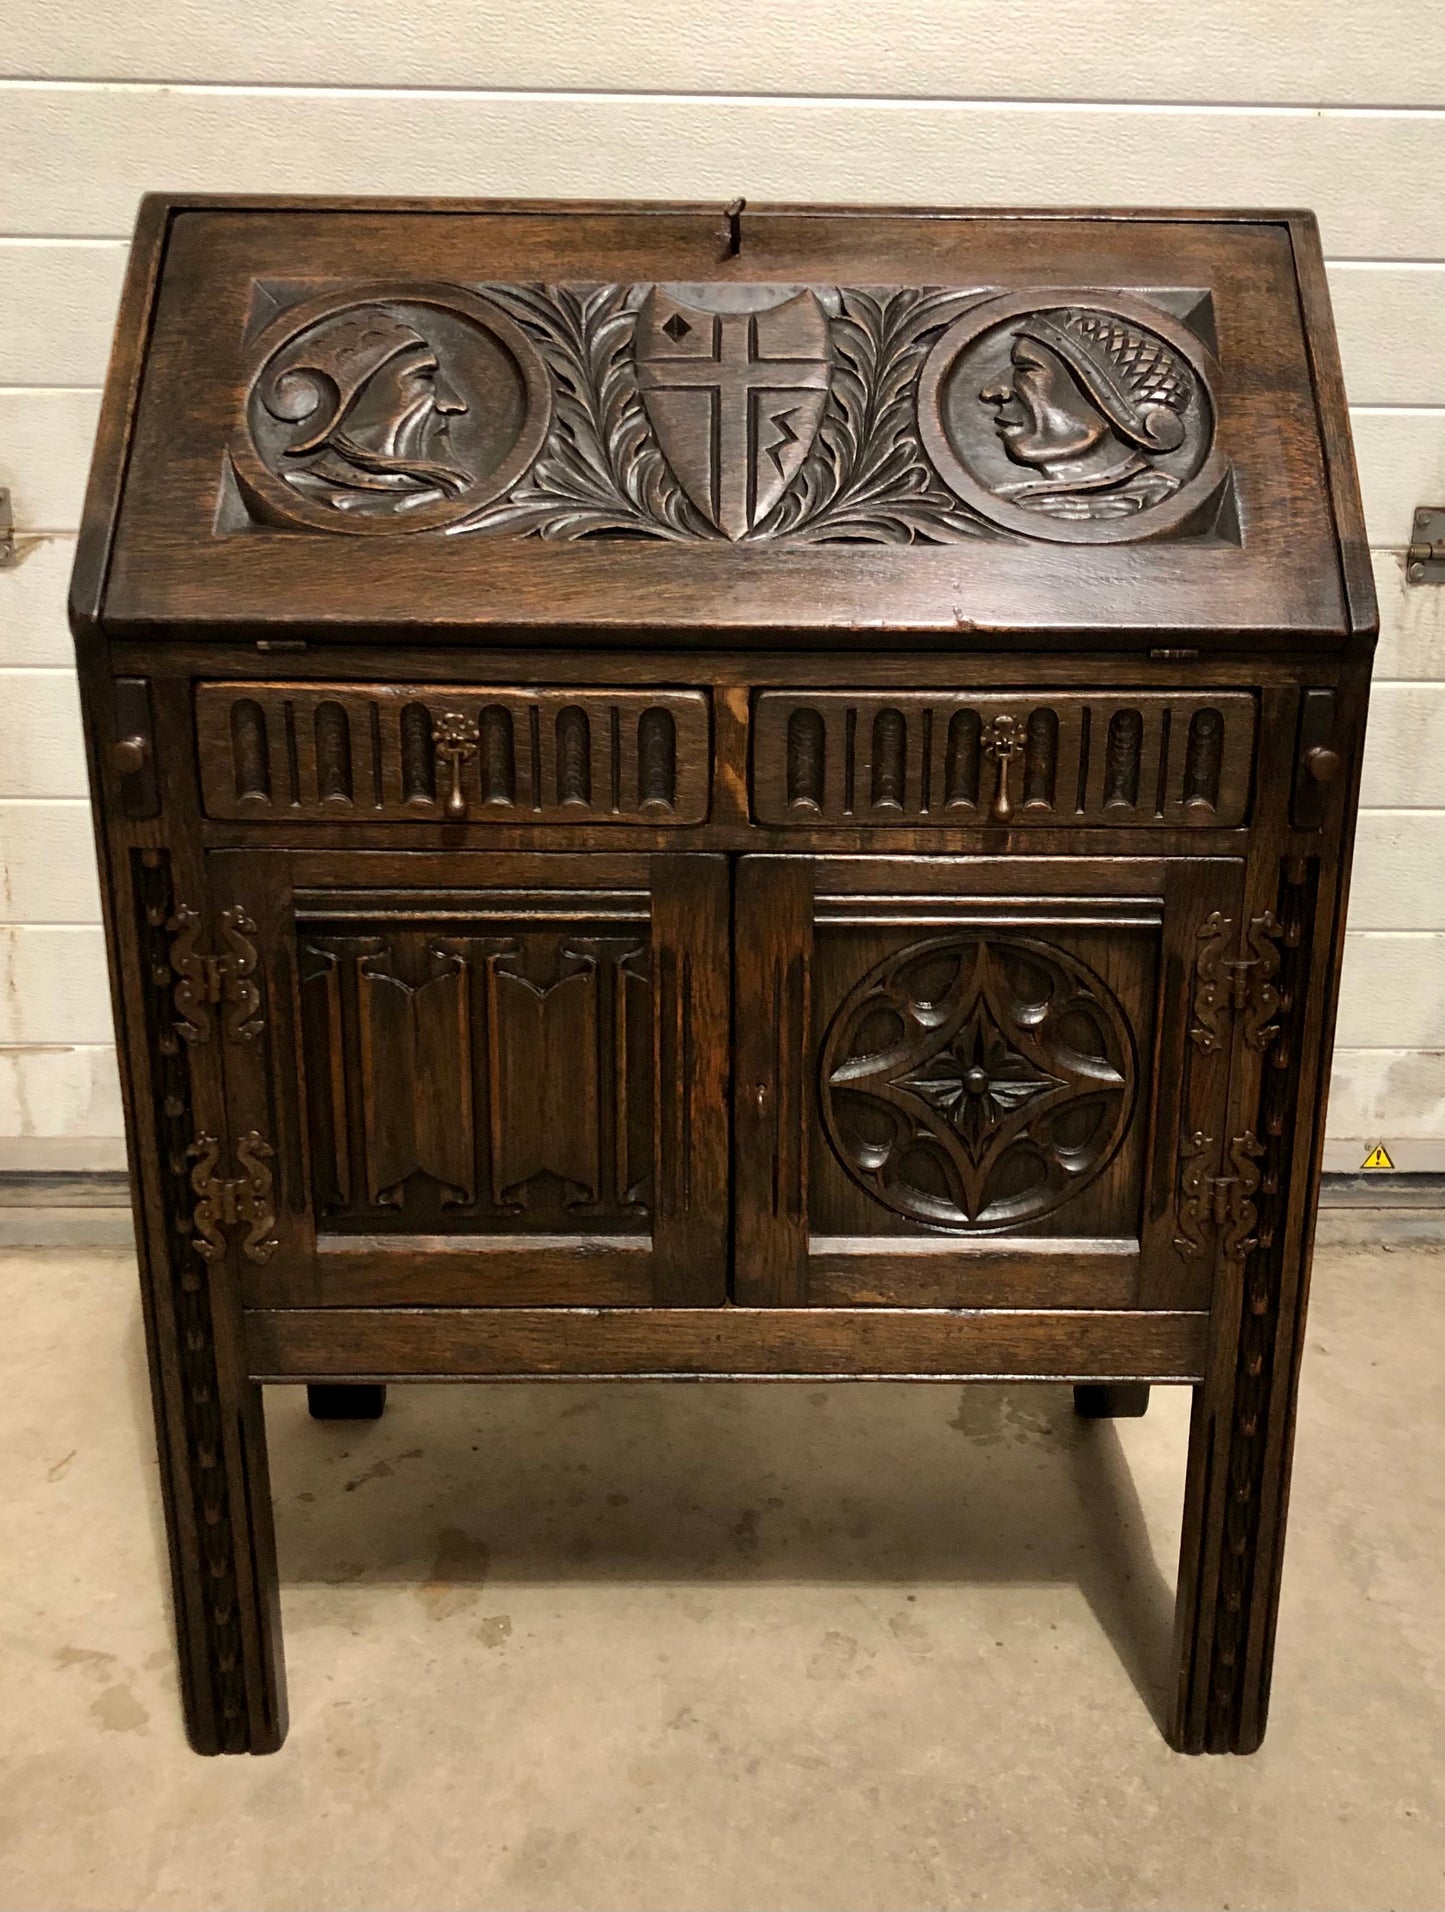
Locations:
(210, 1430)
(1111, 1400)
(1240, 1442)
(212, 1441)
(346, 1400)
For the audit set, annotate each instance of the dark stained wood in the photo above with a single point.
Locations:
(332, 1401)
(1111, 1400)
(765, 1343)
(623, 856)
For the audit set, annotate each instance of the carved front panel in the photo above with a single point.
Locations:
(423, 752)
(733, 412)
(488, 1078)
(464, 1082)
(980, 1079)
(963, 1082)
(1134, 758)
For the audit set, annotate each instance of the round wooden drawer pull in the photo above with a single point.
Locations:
(129, 755)
(1323, 765)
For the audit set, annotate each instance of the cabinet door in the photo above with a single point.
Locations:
(978, 1081)
(483, 1079)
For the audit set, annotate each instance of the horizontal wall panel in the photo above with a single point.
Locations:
(60, 1107)
(1401, 456)
(45, 441)
(1391, 325)
(75, 159)
(58, 300)
(1397, 1094)
(1228, 49)
(42, 752)
(1398, 880)
(33, 593)
(53, 986)
(1393, 991)
(47, 862)
(57, 309)
(1412, 623)
(66, 1095)
(1405, 748)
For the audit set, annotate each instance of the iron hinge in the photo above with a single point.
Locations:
(238, 1201)
(1425, 561)
(7, 529)
(205, 982)
(1233, 985)
(1225, 1202)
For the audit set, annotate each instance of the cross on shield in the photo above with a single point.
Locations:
(735, 398)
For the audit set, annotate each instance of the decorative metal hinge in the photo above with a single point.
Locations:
(1425, 561)
(1227, 985)
(207, 981)
(243, 1201)
(7, 529)
(1218, 1201)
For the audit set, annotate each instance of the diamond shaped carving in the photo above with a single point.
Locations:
(976, 1082)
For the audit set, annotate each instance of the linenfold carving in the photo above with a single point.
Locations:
(737, 413)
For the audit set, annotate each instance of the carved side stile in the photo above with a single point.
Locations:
(200, 1391)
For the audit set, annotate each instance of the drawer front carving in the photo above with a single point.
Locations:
(429, 753)
(1069, 758)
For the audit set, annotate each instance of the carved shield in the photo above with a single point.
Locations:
(735, 398)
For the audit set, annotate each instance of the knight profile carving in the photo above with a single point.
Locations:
(733, 412)
(1089, 403)
(372, 409)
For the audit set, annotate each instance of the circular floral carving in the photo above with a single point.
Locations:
(389, 408)
(1072, 421)
(977, 1081)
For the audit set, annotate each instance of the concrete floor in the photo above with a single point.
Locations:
(723, 1647)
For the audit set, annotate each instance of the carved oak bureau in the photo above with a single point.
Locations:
(762, 794)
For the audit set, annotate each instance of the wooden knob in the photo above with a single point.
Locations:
(1323, 765)
(129, 755)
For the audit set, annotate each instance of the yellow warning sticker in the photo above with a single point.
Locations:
(1378, 1157)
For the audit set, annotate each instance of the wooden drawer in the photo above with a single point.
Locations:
(428, 753)
(1028, 757)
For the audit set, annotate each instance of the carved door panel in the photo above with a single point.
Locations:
(486, 1079)
(983, 1082)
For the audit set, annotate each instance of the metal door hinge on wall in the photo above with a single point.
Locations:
(1425, 561)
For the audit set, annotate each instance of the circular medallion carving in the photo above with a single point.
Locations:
(1073, 421)
(390, 408)
(977, 1081)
